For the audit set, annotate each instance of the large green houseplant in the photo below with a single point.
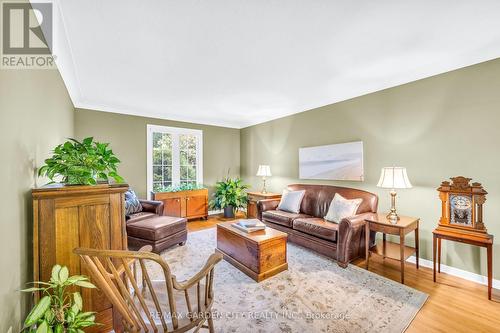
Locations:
(81, 163)
(229, 195)
(58, 310)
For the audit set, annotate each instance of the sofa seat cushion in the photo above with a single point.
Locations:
(281, 217)
(317, 227)
(139, 216)
(156, 228)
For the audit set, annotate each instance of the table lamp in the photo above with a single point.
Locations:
(393, 178)
(264, 171)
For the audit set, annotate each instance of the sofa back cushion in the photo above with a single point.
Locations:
(317, 198)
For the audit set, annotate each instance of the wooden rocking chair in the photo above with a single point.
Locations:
(152, 305)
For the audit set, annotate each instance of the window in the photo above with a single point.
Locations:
(175, 157)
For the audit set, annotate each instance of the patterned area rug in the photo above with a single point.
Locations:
(313, 295)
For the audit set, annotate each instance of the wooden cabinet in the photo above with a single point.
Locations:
(66, 217)
(189, 204)
(254, 197)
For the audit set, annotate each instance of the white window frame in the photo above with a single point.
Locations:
(175, 132)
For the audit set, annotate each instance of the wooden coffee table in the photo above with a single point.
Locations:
(259, 254)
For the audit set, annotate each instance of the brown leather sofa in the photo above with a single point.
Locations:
(149, 227)
(344, 241)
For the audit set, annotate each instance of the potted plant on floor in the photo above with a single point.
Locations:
(229, 195)
(81, 163)
(58, 310)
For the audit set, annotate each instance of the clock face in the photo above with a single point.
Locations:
(461, 210)
(461, 202)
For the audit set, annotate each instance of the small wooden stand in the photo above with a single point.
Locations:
(390, 250)
(438, 235)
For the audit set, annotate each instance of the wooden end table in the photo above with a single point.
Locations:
(486, 242)
(259, 254)
(254, 197)
(391, 250)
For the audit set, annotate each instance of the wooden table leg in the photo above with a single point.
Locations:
(416, 246)
(490, 268)
(367, 243)
(434, 256)
(439, 255)
(402, 254)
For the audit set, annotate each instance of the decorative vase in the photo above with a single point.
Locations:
(229, 212)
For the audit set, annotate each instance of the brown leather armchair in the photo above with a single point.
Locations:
(150, 227)
(344, 241)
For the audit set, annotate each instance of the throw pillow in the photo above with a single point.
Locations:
(132, 203)
(291, 200)
(341, 207)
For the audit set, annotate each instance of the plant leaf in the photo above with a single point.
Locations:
(43, 327)
(63, 274)
(55, 273)
(77, 298)
(38, 311)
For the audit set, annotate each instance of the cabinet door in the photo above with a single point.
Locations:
(196, 205)
(172, 207)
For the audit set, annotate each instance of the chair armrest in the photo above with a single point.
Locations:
(209, 265)
(152, 206)
(351, 240)
(266, 204)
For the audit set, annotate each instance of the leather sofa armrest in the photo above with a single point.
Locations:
(152, 206)
(351, 241)
(266, 204)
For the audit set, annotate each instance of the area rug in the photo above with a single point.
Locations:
(313, 295)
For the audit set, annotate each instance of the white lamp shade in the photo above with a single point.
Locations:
(264, 171)
(394, 177)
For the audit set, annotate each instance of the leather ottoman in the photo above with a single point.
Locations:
(160, 232)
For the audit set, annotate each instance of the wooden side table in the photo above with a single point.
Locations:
(487, 242)
(253, 197)
(391, 250)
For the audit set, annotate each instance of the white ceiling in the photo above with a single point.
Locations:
(237, 63)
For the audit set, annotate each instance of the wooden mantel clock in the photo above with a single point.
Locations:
(462, 207)
(462, 220)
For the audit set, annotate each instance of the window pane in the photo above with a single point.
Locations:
(191, 172)
(184, 173)
(187, 141)
(166, 184)
(167, 157)
(192, 157)
(157, 173)
(167, 173)
(157, 156)
(183, 157)
(157, 187)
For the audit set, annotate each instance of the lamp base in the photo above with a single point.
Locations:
(393, 216)
(264, 191)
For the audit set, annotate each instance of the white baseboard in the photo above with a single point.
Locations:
(481, 279)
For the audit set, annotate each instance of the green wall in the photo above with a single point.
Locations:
(127, 135)
(36, 113)
(439, 127)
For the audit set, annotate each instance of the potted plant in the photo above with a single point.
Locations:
(81, 163)
(58, 310)
(229, 195)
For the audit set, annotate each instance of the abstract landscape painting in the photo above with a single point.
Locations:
(332, 162)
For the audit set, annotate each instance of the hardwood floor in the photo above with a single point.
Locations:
(454, 304)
